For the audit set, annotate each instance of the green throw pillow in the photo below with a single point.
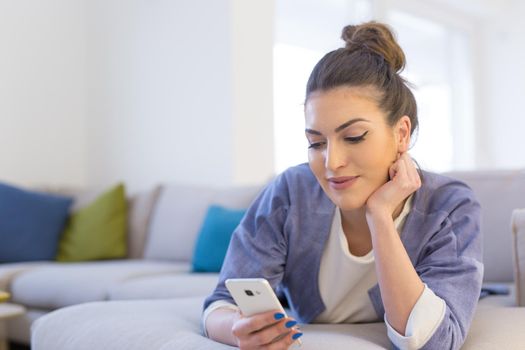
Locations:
(97, 231)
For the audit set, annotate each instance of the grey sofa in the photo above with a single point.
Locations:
(160, 307)
(162, 228)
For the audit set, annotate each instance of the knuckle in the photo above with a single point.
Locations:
(236, 330)
(250, 324)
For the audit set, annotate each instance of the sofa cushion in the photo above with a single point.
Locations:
(176, 324)
(496, 328)
(170, 324)
(8, 272)
(63, 284)
(165, 286)
(30, 224)
(140, 210)
(214, 238)
(499, 193)
(518, 242)
(179, 214)
(97, 231)
(499, 299)
(124, 325)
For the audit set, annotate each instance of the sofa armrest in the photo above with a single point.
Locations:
(518, 242)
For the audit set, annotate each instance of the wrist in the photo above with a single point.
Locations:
(379, 221)
(231, 322)
(377, 214)
(219, 325)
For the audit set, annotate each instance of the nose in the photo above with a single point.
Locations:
(334, 157)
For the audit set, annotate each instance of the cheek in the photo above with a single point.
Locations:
(378, 153)
(376, 164)
(316, 162)
(313, 156)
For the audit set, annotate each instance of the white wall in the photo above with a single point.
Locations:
(98, 91)
(42, 94)
(504, 87)
(252, 30)
(160, 100)
(179, 91)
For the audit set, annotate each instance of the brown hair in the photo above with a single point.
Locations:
(370, 58)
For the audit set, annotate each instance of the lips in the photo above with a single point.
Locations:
(343, 182)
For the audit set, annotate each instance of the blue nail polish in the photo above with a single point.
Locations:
(297, 335)
(278, 316)
(290, 324)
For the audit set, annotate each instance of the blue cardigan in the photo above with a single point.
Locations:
(283, 234)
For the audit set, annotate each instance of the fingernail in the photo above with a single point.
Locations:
(278, 316)
(290, 324)
(297, 336)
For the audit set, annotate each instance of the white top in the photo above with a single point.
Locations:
(344, 281)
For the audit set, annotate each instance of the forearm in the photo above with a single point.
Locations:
(400, 285)
(219, 325)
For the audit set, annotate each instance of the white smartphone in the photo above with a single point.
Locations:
(253, 295)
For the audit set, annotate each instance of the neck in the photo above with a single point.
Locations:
(399, 209)
(355, 220)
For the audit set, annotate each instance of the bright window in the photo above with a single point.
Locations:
(305, 31)
(290, 65)
(437, 65)
(434, 52)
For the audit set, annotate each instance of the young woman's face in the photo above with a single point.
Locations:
(351, 144)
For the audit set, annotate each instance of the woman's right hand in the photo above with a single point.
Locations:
(268, 330)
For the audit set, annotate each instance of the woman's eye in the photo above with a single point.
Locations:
(315, 145)
(356, 139)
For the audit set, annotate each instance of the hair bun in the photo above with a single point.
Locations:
(376, 38)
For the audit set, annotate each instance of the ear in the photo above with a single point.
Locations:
(402, 133)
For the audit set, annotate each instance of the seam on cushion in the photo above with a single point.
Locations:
(518, 279)
(516, 264)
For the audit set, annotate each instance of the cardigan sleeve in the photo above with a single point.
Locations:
(425, 317)
(450, 265)
(258, 246)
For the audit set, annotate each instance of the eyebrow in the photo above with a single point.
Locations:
(340, 127)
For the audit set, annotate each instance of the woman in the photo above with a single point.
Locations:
(358, 234)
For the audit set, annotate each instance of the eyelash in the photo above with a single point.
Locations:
(352, 140)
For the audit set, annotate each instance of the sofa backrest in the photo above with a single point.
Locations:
(499, 193)
(179, 214)
(180, 209)
(141, 206)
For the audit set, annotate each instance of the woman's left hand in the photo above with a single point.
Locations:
(404, 180)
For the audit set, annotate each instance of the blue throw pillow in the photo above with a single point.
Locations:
(30, 224)
(214, 238)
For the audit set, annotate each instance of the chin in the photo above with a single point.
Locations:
(346, 201)
(349, 206)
